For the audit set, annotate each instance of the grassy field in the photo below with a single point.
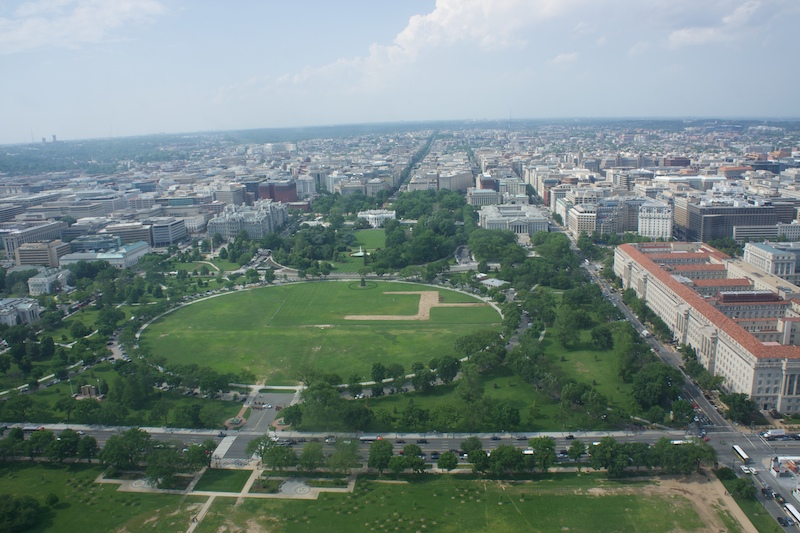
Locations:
(86, 506)
(371, 239)
(500, 384)
(452, 504)
(272, 331)
(223, 480)
(758, 515)
(584, 364)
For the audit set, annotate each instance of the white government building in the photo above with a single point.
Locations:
(743, 322)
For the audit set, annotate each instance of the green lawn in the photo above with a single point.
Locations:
(584, 364)
(758, 515)
(274, 330)
(223, 480)
(85, 506)
(371, 239)
(500, 384)
(224, 264)
(453, 504)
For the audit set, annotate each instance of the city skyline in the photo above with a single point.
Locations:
(86, 69)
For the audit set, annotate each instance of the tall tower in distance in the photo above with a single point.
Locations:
(54, 137)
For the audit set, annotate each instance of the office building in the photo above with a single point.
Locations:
(130, 232)
(41, 253)
(655, 220)
(749, 337)
(264, 217)
(520, 218)
(167, 230)
(16, 233)
(15, 311)
(48, 281)
(125, 256)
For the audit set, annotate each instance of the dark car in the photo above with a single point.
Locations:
(400, 441)
(495, 437)
(781, 520)
(434, 455)
(570, 437)
(522, 437)
(422, 441)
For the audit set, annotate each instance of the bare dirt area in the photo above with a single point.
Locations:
(707, 496)
(427, 301)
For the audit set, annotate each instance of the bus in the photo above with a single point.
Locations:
(370, 438)
(791, 511)
(743, 457)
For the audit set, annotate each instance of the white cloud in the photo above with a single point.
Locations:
(565, 59)
(639, 48)
(70, 23)
(491, 25)
(730, 27)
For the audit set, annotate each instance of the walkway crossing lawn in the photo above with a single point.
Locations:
(451, 504)
(223, 480)
(86, 506)
(274, 330)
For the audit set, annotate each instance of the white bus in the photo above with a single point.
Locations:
(743, 457)
(791, 511)
(370, 438)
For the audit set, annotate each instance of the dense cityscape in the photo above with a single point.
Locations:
(245, 318)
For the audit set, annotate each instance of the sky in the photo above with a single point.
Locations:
(112, 68)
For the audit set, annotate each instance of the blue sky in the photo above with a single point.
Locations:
(97, 68)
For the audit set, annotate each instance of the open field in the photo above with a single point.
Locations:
(587, 365)
(456, 504)
(274, 330)
(371, 239)
(86, 506)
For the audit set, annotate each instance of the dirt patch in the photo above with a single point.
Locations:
(164, 335)
(707, 497)
(580, 367)
(427, 301)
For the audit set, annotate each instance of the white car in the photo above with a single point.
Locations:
(746, 470)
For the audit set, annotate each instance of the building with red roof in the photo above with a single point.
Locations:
(741, 332)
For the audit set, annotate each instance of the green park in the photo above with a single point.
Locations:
(274, 331)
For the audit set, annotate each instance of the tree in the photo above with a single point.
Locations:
(279, 457)
(51, 500)
(397, 464)
(741, 407)
(471, 444)
(126, 450)
(380, 453)
(162, 466)
(447, 461)
(602, 338)
(544, 452)
(743, 488)
(312, 457)
(682, 412)
(506, 458)
(576, 451)
(479, 460)
(354, 386)
(447, 368)
(344, 457)
(259, 446)
(18, 514)
(378, 372)
(87, 448)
